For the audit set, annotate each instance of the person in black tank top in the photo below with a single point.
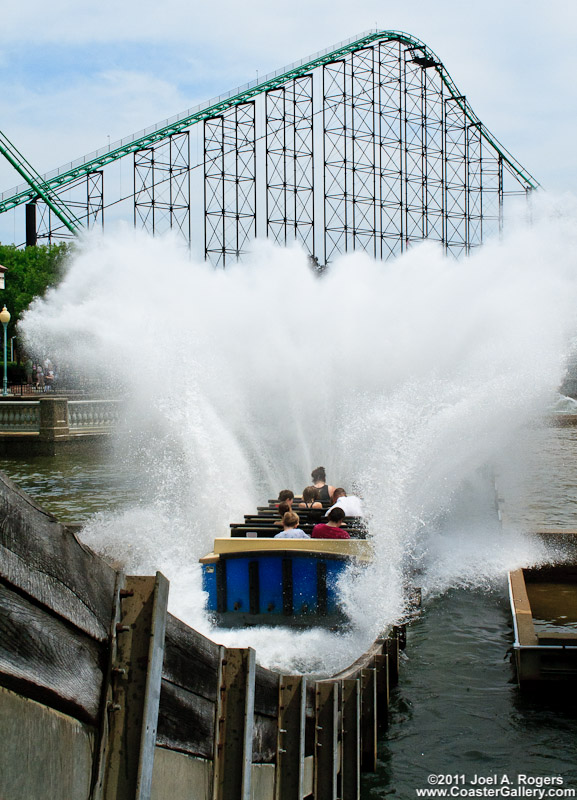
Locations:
(311, 498)
(319, 477)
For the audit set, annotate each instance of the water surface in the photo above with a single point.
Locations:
(458, 708)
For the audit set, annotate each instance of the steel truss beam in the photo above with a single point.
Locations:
(350, 161)
(289, 163)
(245, 94)
(366, 147)
(84, 197)
(390, 123)
(229, 183)
(422, 108)
(162, 187)
(401, 162)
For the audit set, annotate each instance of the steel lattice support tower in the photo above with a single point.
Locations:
(368, 146)
(336, 169)
(84, 196)
(162, 186)
(423, 150)
(289, 163)
(456, 178)
(230, 183)
(391, 190)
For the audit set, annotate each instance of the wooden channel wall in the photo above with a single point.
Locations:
(106, 696)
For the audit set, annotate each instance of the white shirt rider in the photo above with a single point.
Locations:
(351, 505)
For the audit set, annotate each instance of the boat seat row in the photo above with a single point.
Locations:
(266, 531)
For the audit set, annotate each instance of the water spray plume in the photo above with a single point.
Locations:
(407, 377)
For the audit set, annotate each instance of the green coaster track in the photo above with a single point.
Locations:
(47, 186)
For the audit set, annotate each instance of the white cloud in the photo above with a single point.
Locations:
(514, 61)
(52, 129)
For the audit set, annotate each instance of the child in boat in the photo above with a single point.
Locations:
(282, 510)
(286, 496)
(332, 528)
(310, 498)
(319, 477)
(290, 529)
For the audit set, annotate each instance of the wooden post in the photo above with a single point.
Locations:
(393, 653)
(326, 741)
(290, 759)
(400, 633)
(234, 725)
(136, 678)
(382, 668)
(351, 740)
(368, 720)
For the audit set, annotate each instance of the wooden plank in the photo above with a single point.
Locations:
(368, 720)
(185, 721)
(44, 754)
(137, 669)
(180, 777)
(186, 715)
(351, 740)
(191, 660)
(392, 650)
(266, 696)
(46, 659)
(264, 739)
(234, 725)
(262, 781)
(291, 738)
(326, 740)
(522, 609)
(382, 670)
(44, 560)
(363, 661)
(310, 719)
(309, 776)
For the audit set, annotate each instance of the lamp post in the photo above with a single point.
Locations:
(5, 319)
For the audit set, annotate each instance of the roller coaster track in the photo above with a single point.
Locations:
(52, 182)
(37, 184)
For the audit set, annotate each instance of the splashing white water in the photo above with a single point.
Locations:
(406, 377)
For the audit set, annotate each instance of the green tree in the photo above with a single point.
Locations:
(29, 273)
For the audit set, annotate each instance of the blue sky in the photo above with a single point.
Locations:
(72, 76)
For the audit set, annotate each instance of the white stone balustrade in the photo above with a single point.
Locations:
(97, 416)
(20, 416)
(92, 415)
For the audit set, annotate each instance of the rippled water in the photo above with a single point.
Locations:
(457, 709)
(542, 492)
(75, 485)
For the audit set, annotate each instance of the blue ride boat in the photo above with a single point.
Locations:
(256, 579)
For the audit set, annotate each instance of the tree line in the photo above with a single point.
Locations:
(29, 274)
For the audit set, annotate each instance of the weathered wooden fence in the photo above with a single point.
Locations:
(106, 696)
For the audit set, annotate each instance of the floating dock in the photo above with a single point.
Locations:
(544, 607)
